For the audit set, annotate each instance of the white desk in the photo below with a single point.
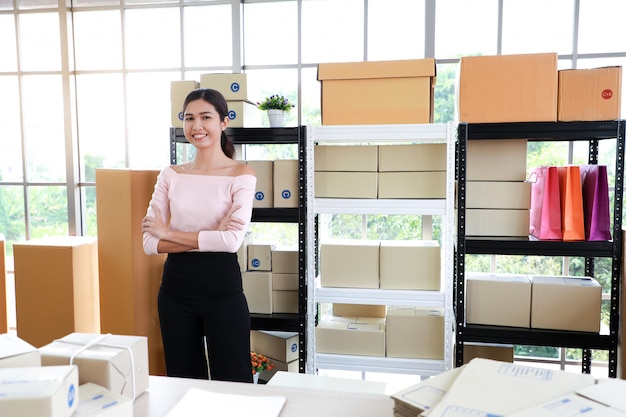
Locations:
(165, 392)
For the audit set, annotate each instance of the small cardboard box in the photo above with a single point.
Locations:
(178, 93)
(350, 263)
(498, 195)
(97, 401)
(260, 257)
(359, 310)
(346, 184)
(257, 286)
(17, 353)
(404, 92)
(427, 185)
(286, 183)
(284, 301)
(280, 346)
(590, 94)
(232, 86)
(50, 391)
(243, 113)
(566, 303)
(398, 260)
(117, 362)
(498, 299)
(507, 88)
(497, 222)
(264, 195)
(353, 158)
(414, 157)
(285, 260)
(363, 336)
(496, 160)
(414, 333)
(502, 353)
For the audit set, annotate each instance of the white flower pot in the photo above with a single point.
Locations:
(276, 117)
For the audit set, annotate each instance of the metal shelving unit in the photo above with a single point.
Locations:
(262, 136)
(591, 132)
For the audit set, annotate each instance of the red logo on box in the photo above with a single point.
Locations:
(607, 94)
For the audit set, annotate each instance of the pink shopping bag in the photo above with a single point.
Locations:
(545, 204)
(595, 185)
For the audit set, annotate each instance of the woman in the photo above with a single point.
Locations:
(198, 215)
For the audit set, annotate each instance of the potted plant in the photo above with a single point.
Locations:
(276, 106)
(259, 364)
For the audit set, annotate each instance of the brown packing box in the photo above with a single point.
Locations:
(350, 263)
(413, 332)
(284, 301)
(129, 279)
(496, 160)
(497, 222)
(502, 353)
(56, 287)
(232, 86)
(280, 346)
(260, 257)
(507, 88)
(410, 265)
(404, 92)
(178, 92)
(286, 183)
(427, 185)
(590, 94)
(257, 287)
(414, 157)
(4, 318)
(285, 260)
(243, 113)
(264, 195)
(498, 194)
(359, 310)
(351, 336)
(353, 158)
(346, 184)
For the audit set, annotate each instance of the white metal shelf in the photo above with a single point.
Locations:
(406, 133)
(423, 367)
(379, 206)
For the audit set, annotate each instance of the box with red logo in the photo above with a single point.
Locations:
(590, 94)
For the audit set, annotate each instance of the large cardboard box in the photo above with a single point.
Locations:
(116, 362)
(498, 299)
(353, 158)
(129, 279)
(508, 88)
(359, 310)
(590, 94)
(286, 183)
(280, 346)
(414, 157)
(496, 160)
(404, 92)
(427, 185)
(243, 113)
(285, 282)
(257, 287)
(264, 195)
(498, 195)
(56, 287)
(97, 401)
(17, 353)
(4, 318)
(350, 263)
(410, 265)
(50, 391)
(285, 260)
(566, 303)
(346, 184)
(361, 336)
(178, 93)
(414, 333)
(232, 86)
(497, 222)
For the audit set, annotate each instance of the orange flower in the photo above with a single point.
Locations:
(260, 363)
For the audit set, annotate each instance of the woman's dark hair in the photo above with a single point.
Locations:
(218, 101)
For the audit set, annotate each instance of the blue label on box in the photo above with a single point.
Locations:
(294, 347)
(234, 87)
(256, 263)
(259, 195)
(286, 194)
(232, 114)
(71, 396)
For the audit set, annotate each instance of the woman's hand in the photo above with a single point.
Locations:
(155, 225)
(231, 223)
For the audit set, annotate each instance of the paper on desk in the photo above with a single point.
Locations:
(200, 403)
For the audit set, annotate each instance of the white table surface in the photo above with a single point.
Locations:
(165, 392)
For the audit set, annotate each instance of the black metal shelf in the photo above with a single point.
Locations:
(524, 246)
(282, 322)
(250, 135)
(544, 131)
(275, 215)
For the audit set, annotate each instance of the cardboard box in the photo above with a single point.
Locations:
(243, 113)
(97, 401)
(497, 222)
(129, 279)
(285, 260)
(286, 183)
(293, 366)
(50, 391)
(17, 353)
(178, 93)
(232, 86)
(353, 158)
(359, 310)
(566, 303)
(260, 257)
(498, 194)
(4, 318)
(264, 196)
(428, 185)
(350, 263)
(590, 94)
(496, 160)
(279, 346)
(56, 287)
(346, 184)
(502, 353)
(414, 333)
(285, 282)
(285, 301)
(257, 287)
(404, 92)
(117, 362)
(497, 299)
(398, 261)
(414, 157)
(507, 88)
(364, 336)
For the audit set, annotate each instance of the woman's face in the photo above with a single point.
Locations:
(202, 123)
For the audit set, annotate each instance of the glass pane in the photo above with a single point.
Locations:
(534, 26)
(445, 98)
(152, 38)
(95, 3)
(37, 4)
(6, 4)
(48, 211)
(150, 1)
(271, 33)
(598, 30)
(196, 20)
(43, 127)
(394, 227)
(311, 98)
(12, 215)
(11, 142)
(264, 83)
(332, 31)
(90, 220)
(40, 47)
(98, 40)
(395, 29)
(101, 136)
(8, 53)
(468, 27)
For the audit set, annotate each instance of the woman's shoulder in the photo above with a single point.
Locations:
(244, 169)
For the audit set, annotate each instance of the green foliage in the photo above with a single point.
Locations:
(276, 102)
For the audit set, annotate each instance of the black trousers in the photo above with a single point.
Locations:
(203, 312)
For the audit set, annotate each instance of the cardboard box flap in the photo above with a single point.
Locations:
(377, 69)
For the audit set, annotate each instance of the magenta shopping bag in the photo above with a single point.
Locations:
(594, 180)
(545, 204)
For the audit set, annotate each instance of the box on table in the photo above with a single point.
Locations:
(50, 391)
(285, 301)
(566, 303)
(411, 158)
(280, 346)
(404, 92)
(232, 86)
(179, 90)
(410, 265)
(260, 257)
(346, 184)
(496, 160)
(97, 401)
(413, 332)
(286, 183)
(507, 88)
(359, 310)
(129, 279)
(496, 352)
(498, 299)
(285, 260)
(116, 362)
(425, 184)
(497, 222)
(56, 287)
(352, 158)
(264, 195)
(17, 353)
(590, 94)
(243, 113)
(257, 287)
(498, 194)
(359, 336)
(4, 318)
(350, 263)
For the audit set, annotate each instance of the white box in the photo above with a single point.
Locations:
(97, 401)
(17, 353)
(410, 265)
(570, 405)
(286, 183)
